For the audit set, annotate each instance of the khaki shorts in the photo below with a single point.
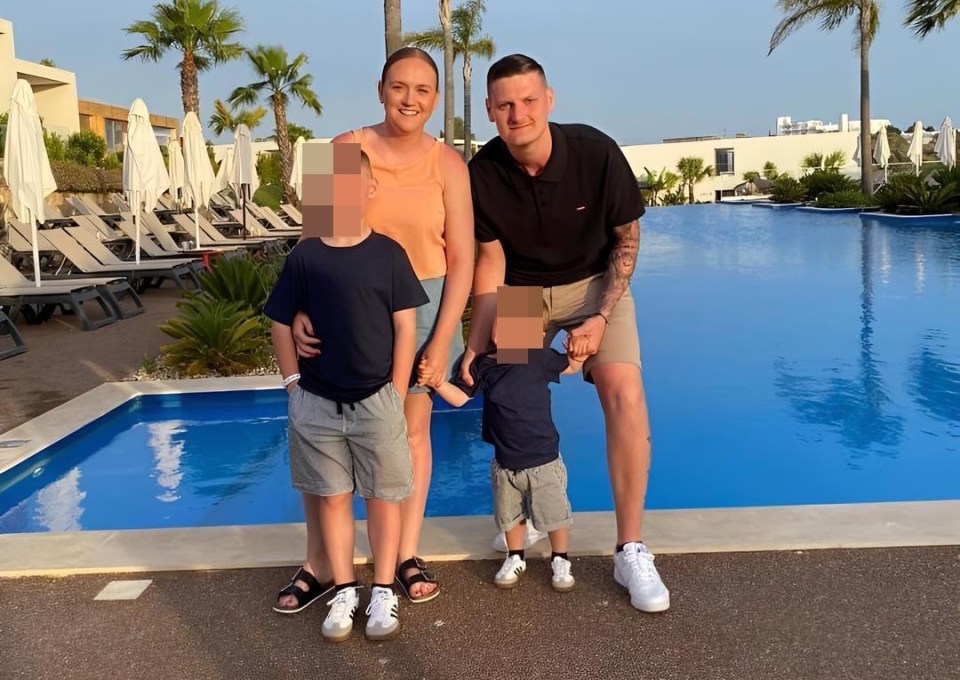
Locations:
(339, 448)
(571, 304)
(538, 494)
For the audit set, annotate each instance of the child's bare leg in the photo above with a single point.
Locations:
(383, 528)
(316, 562)
(336, 525)
(559, 539)
(516, 535)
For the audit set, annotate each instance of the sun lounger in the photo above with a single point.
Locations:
(115, 289)
(212, 237)
(255, 227)
(273, 220)
(295, 215)
(148, 272)
(7, 327)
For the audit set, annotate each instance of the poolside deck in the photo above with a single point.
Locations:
(868, 613)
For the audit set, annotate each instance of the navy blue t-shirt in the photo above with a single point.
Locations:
(350, 295)
(517, 416)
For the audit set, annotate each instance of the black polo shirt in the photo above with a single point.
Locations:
(555, 228)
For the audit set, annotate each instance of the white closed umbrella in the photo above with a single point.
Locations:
(176, 170)
(225, 171)
(296, 172)
(244, 176)
(198, 179)
(915, 152)
(26, 166)
(881, 151)
(947, 143)
(858, 155)
(145, 177)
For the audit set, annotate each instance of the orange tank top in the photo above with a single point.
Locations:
(409, 208)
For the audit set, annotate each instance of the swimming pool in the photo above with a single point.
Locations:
(790, 358)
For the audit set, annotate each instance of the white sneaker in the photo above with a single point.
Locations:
(339, 622)
(533, 536)
(383, 611)
(633, 569)
(562, 579)
(510, 573)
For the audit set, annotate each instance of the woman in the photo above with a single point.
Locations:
(424, 203)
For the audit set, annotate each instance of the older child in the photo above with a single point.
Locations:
(346, 423)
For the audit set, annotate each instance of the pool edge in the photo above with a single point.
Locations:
(809, 527)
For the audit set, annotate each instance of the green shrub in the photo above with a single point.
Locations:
(3, 130)
(826, 182)
(268, 168)
(785, 189)
(215, 336)
(912, 195)
(239, 279)
(270, 195)
(87, 148)
(770, 171)
(843, 199)
(75, 178)
(113, 162)
(56, 148)
(751, 175)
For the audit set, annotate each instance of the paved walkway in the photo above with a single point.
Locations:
(871, 614)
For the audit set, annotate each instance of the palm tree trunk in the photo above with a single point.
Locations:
(448, 99)
(690, 191)
(467, 106)
(286, 152)
(393, 34)
(866, 155)
(189, 85)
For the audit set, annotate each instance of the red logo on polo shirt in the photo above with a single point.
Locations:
(581, 208)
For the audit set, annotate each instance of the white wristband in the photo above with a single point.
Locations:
(289, 379)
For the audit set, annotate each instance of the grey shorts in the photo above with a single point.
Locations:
(538, 494)
(426, 324)
(361, 448)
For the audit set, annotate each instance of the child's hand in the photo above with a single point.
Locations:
(577, 346)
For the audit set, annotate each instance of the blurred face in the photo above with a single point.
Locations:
(336, 189)
(409, 95)
(518, 326)
(520, 107)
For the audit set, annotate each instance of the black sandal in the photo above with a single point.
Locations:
(305, 598)
(423, 575)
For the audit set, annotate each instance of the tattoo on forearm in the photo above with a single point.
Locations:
(620, 266)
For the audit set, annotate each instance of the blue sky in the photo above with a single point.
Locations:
(640, 71)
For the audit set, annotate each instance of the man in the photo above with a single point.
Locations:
(558, 206)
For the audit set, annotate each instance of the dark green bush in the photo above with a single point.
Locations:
(87, 148)
(56, 148)
(75, 178)
(239, 279)
(270, 195)
(268, 168)
(113, 162)
(843, 199)
(912, 195)
(785, 189)
(826, 182)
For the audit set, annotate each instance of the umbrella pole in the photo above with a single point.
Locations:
(196, 223)
(36, 249)
(243, 195)
(136, 224)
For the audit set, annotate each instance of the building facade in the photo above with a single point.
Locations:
(110, 122)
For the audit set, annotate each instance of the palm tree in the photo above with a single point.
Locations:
(923, 16)
(446, 25)
(832, 13)
(224, 118)
(467, 43)
(692, 171)
(392, 32)
(654, 183)
(200, 29)
(279, 78)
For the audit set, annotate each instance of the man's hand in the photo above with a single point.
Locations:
(592, 331)
(432, 370)
(307, 345)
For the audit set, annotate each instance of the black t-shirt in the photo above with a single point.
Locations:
(555, 228)
(350, 295)
(517, 418)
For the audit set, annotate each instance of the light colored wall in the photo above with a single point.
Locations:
(259, 147)
(8, 73)
(750, 153)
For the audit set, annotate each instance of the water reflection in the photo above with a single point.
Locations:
(167, 453)
(59, 504)
(855, 407)
(934, 381)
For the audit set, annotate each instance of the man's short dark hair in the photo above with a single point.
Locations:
(514, 65)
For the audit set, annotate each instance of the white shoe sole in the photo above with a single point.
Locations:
(563, 587)
(380, 637)
(653, 607)
(337, 637)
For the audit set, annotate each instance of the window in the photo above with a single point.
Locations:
(114, 130)
(724, 162)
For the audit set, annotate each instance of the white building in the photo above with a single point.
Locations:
(787, 126)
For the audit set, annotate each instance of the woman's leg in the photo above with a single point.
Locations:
(417, 409)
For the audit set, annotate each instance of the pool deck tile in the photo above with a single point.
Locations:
(124, 590)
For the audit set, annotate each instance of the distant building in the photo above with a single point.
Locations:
(55, 93)
(787, 126)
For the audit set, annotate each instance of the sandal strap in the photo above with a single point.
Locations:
(423, 575)
(313, 586)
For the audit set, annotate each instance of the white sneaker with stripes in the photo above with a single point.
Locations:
(383, 612)
(510, 573)
(339, 622)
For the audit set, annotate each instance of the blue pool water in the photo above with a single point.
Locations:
(789, 358)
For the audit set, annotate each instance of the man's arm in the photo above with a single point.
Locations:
(404, 347)
(620, 266)
(452, 394)
(488, 276)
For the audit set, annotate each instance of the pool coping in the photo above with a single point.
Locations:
(803, 527)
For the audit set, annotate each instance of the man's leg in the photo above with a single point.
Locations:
(620, 388)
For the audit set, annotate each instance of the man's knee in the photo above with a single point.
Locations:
(620, 388)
